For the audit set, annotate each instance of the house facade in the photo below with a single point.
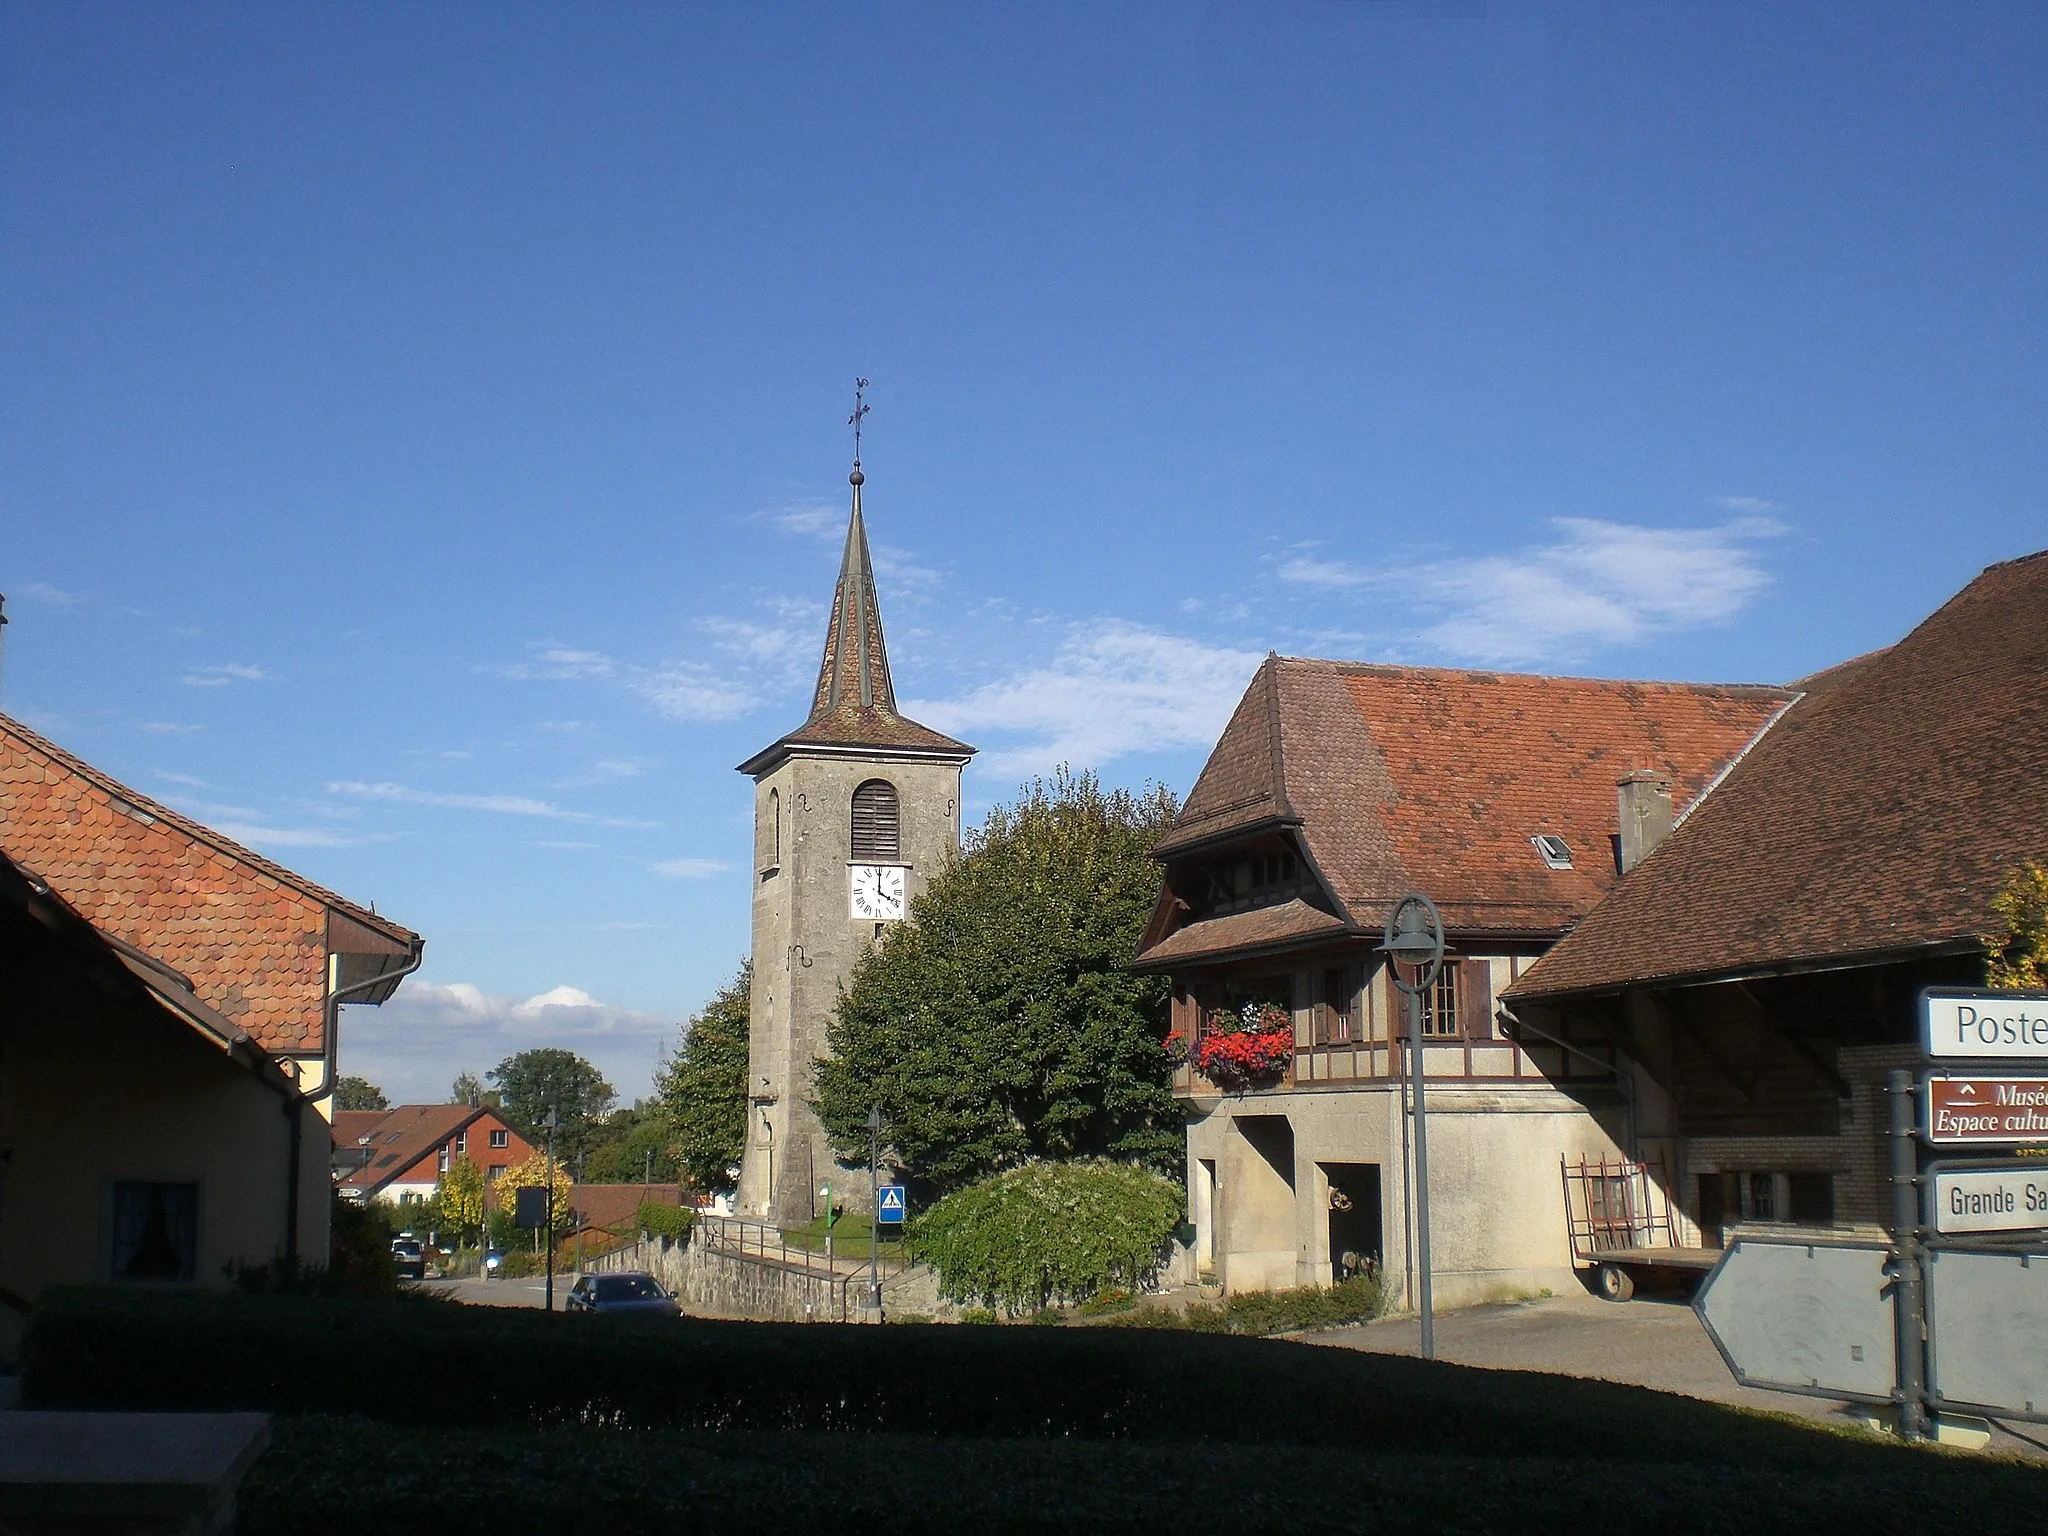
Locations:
(145, 1138)
(1760, 972)
(1513, 801)
(400, 1154)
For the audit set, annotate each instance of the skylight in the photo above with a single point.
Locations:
(1556, 851)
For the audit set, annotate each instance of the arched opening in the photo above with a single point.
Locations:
(877, 836)
(768, 833)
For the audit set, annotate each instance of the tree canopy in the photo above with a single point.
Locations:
(999, 1023)
(702, 1088)
(2017, 955)
(358, 1093)
(548, 1077)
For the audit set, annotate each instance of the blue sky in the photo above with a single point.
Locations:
(422, 445)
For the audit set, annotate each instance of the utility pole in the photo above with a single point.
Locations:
(875, 1205)
(549, 1259)
(1415, 936)
(576, 1215)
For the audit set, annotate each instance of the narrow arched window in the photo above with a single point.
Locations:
(768, 833)
(877, 838)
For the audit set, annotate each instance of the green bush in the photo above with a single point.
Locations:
(395, 1362)
(669, 1221)
(1258, 1314)
(1104, 1302)
(360, 1262)
(1049, 1232)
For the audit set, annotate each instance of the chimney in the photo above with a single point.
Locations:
(1642, 803)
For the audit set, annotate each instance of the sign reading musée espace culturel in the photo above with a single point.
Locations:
(1979, 1025)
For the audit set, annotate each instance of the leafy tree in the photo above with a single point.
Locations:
(533, 1174)
(359, 1093)
(548, 1077)
(702, 1089)
(461, 1197)
(999, 1024)
(630, 1146)
(2017, 955)
(1050, 1232)
(468, 1088)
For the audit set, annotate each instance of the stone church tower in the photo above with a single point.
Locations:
(853, 812)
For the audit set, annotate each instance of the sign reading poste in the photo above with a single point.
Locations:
(1987, 1111)
(1980, 1025)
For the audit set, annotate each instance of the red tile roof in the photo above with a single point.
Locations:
(1402, 778)
(406, 1137)
(613, 1205)
(1880, 815)
(252, 935)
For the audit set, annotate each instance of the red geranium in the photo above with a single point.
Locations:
(1244, 1048)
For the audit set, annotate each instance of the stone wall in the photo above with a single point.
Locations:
(712, 1282)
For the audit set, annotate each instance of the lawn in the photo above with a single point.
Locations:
(852, 1237)
(394, 1416)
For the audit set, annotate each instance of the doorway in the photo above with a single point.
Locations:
(1357, 1240)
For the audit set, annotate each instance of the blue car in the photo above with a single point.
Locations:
(631, 1294)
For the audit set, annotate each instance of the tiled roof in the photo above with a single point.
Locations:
(400, 1139)
(1403, 778)
(1241, 932)
(854, 706)
(1881, 814)
(613, 1205)
(252, 935)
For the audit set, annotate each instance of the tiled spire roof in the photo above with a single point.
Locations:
(854, 706)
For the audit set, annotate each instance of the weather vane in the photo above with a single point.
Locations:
(860, 409)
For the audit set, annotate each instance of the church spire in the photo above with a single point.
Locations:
(854, 673)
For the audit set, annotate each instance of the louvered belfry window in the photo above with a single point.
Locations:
(876, 835)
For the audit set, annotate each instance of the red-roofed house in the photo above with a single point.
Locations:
(400, 1154)
(1335, 789)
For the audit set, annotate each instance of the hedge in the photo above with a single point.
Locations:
(417, 1364)
(658, 1220)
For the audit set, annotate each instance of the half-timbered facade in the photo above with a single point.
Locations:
(1513, 801)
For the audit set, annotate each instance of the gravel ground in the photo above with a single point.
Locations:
(1649, 1342)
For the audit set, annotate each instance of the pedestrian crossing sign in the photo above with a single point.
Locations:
(891, 1207)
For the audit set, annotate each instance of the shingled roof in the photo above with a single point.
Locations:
(854, 706)
(252, 935)
(1878, 818)
(1404, 778)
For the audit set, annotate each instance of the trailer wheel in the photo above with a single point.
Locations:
(1615, 1283)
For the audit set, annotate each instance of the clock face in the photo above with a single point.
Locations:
(877, 892)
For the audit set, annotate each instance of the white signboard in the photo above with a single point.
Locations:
(1987, 1332)
(1986, 1200)
(1802, 1317)
(1974, 1025)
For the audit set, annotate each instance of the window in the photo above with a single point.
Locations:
(461, 1142)
(1333, 1010)
(1440, 1005)
(877, 837)
(500, 1139)
(768, 833)
(444, 1160)
(494, 1173)
(1556, 851)
(156, 1231)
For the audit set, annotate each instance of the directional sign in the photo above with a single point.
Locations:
(891, 1207)
(1981, 1025)
(1986, 1111)
(2011, 1199)
(1987, 1332)
(1802, 1317)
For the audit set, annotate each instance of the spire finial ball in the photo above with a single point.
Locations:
(856, 478)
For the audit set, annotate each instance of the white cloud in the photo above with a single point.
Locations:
(555, 663)
(415, 1045)
(1599, 584)
(1112, 689)
(810, 519)
(180, 778)
(506, 805)
(43, 592)
(687, 690)
(225, 673)
(170, 728)
(260, 837)
(688, 869)
(1745, 503)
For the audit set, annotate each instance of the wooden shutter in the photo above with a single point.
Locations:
(1475, 999)
(877, 838)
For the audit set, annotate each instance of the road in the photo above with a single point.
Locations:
(1648, 1342)
(504, 1293)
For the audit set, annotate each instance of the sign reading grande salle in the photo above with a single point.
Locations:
(1990, 1200)
(1987, 1111)
(1974, 1024)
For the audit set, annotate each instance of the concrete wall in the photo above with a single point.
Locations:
(805, 946)
(93, 1092)
(1497, 1202)
(711, 1283)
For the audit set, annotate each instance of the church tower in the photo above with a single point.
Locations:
(854, 811)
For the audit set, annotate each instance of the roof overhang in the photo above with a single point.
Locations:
(769, 759)
(1520, 990)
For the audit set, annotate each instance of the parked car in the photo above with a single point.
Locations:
(631, 1293)
(411, 1258)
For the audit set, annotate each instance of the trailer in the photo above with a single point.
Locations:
(1619, 1215)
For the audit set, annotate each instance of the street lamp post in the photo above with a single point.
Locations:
(1415, 937)
(875, 1205)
